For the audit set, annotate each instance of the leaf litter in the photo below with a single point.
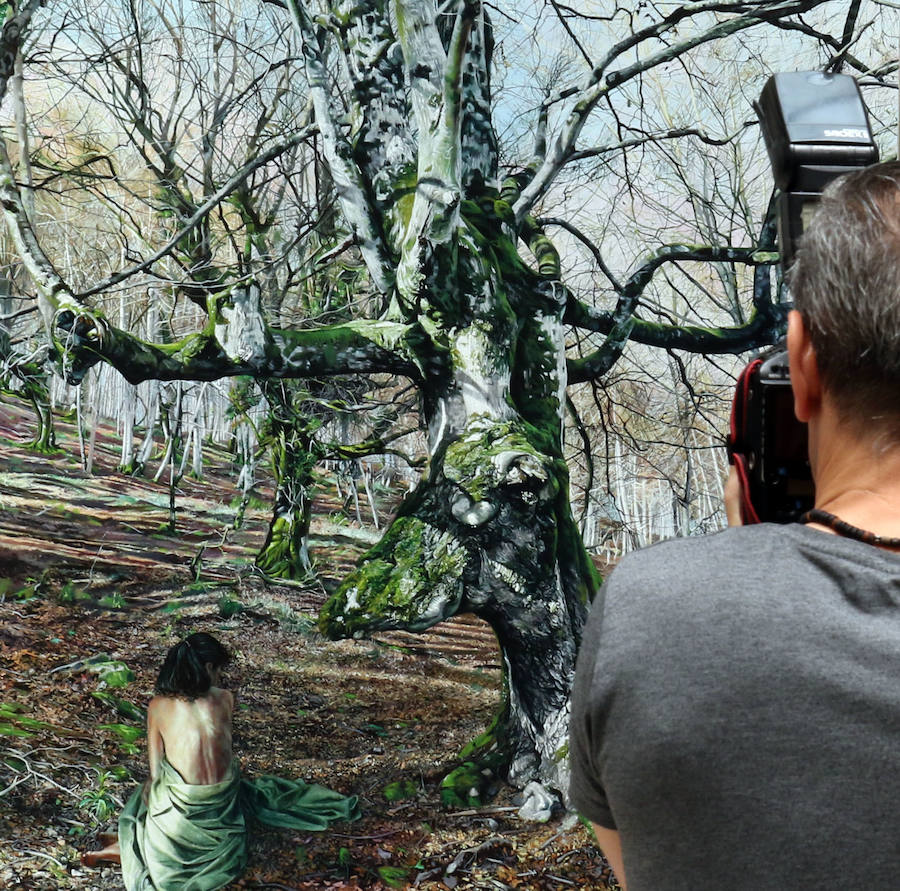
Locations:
(384, 719)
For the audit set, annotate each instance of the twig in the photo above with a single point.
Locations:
(40, 854)
(80, 429)
(468, 856)
(91, 570)
(47, 779)
(281, 887)
(78, 664)
(18, 674)
(368, 837)
(13, 785)
(401, 807)
(552, 839)
(20, 312)
(482, 810)
(196, 564)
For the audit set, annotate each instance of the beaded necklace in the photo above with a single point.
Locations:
(842, 527)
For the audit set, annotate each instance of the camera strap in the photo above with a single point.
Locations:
(736, 443)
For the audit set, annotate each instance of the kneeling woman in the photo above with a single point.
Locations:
(187, 827)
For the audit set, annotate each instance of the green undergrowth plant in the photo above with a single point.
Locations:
(14, 721)
(127, 734)
(462, 787)
(97, 803)
(344, 861)
(394, 876)
(122, 706)
(200, 587)
(112, 673)
(9, 589)
(229, 607)
(71, 593)
(254, 502)
(400, 790)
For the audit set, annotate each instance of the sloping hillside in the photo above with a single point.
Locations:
(90, 576)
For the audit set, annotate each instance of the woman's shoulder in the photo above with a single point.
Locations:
(160, 710)
(223, 696)
(159, 704)
(164, 708)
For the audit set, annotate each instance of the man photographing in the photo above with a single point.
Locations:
(736, 710)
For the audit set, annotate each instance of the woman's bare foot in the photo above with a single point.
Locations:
(110, 854)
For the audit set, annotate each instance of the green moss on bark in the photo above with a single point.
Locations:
(485, 218)
(45, 441)
(483, 760)
(411, 579)
(284, 554)
(479, 462)
(463, 786)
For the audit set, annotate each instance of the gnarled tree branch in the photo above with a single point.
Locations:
(361, 347)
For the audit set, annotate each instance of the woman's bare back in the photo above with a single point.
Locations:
(193, 734)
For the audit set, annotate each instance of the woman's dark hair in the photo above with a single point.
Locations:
(184, 671)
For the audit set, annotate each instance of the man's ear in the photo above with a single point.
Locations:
(805, 378)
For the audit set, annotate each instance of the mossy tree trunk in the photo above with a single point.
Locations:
(502, 545)
(294, 453)
(285, 552)
(26, 377)
(489, 531)
(45, 438)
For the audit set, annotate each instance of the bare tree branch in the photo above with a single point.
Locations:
(622, 325)
(587, 242)
(678, 133)
(344, 171)
(560, 152)
(201, 213)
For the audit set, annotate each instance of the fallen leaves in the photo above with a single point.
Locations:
(358, 716)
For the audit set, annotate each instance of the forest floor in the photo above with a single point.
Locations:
(90, 574)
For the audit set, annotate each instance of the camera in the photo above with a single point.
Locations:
(768, 445)
(816, 127)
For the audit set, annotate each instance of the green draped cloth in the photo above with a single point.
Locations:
(194, 838)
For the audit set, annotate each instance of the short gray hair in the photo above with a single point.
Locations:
(846, 285)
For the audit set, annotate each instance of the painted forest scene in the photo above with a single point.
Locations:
(367, 337)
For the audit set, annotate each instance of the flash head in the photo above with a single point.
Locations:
(816, 127)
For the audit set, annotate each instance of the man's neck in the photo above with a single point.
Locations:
(857, 477)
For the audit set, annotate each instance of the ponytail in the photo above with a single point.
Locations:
(184, 673)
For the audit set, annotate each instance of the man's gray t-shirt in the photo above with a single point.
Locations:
(736, 713)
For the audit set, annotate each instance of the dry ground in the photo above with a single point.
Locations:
(87, 569)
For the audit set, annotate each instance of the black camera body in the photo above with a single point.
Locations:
(816, 127)
(768, 444)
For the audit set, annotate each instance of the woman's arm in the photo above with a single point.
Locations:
(155, 746)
